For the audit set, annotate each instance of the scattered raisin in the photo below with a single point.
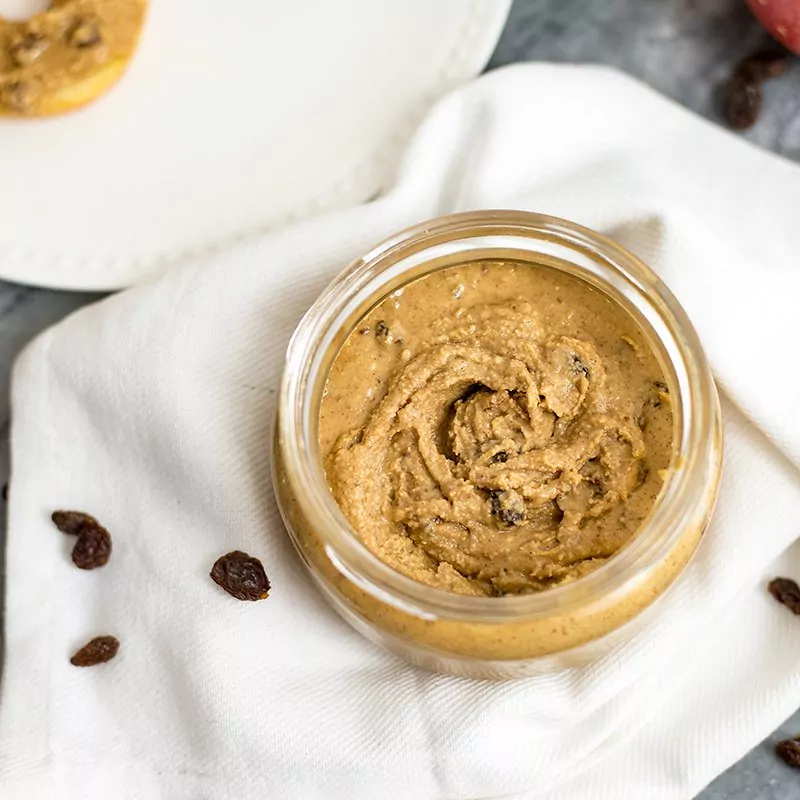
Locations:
(764, 65)
(787, 592)
(19, 95)
(508, 506)
(241, 575)
(578, 367)
(72, 522)
(28, 48)
(499, 458)
(85, 33)
(365, 330)
(655, 400)
(743, 96)
(743, 101)
(593, 472)
(382, 332)
(97, 651)
(789, 751)
(93, 547)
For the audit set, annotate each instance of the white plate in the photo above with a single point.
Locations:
(232, 119)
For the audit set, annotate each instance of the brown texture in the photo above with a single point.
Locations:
(743, 97)
(787, 592)
(789, 751)
(241, 575)
(97, 651)
(73, 522)
(743, 102)
(764, 64)
(93, 547)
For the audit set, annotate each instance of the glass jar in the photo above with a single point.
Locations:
(510, 636)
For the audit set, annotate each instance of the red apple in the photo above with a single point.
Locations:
(781, 18)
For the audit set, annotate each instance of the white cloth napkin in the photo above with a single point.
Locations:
(152, 410)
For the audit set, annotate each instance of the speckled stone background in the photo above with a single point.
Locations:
(683, 48)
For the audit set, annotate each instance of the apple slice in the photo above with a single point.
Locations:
(781, 18)
(67, 56)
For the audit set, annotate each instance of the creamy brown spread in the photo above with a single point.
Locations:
(496, 428)
(65, 56)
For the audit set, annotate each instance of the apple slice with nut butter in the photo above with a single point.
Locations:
(66, 56)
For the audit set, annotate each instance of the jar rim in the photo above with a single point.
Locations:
(468, 233)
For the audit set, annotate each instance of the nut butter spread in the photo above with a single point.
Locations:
(496, 428)
(67, 55)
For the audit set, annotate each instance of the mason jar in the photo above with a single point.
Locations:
(517, 635)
